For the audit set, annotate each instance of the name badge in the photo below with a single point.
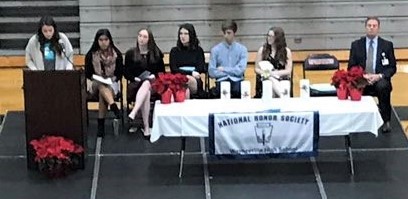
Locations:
(384, 60)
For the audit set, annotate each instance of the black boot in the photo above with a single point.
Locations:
(101, 127)
(116, 111)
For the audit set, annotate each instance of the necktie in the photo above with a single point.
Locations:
(369, 60)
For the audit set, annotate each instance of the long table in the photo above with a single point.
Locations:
(337, 117)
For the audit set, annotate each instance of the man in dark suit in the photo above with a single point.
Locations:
(376, 56)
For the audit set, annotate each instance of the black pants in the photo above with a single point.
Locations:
(235, 89)
(382, 90)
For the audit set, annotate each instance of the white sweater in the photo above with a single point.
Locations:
(34, 56)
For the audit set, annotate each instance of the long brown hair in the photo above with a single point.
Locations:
(154, 52)
(279, 43)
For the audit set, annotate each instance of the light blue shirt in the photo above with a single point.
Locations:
(375, 44)
(232, 57)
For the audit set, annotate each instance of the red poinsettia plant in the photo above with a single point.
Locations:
(56, 155)
(339, 79)
(353, 78)
(174, 82)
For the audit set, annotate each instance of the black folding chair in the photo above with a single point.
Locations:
(321, 62)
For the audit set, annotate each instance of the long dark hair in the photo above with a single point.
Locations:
(154, 52)
(48, 21)
(102, 32)
(194, 42)
(279, 43)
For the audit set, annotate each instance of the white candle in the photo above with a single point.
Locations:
(304, 88)
(246, 90)
(285, 88)
(225, 91)
(267, 89)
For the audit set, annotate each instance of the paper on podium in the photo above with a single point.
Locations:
(304, 88)
(265, 65)
(285, 88)
(245, 90)
(225, 90)
(267, 89)
(98, 78)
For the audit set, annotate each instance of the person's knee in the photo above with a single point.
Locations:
(383, 86)
(192, 84)
(147, 84)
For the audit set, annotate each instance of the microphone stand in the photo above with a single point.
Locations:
(65, 53)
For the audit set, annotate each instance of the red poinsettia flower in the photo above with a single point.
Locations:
(49, 147)
(339, 78)
(174, 82)
(355, 77)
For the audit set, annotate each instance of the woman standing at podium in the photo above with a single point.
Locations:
(49, 49)
(142, 64)
(103, 64)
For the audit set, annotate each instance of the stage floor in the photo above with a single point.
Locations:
(128, 166)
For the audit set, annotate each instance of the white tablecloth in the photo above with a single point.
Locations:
(337, 117)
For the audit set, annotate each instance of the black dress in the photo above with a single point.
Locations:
(180, 57)
(134, 68)
(277, 66)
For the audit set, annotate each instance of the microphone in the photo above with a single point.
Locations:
(62, 45)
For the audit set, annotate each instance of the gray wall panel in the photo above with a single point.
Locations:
(320, 24)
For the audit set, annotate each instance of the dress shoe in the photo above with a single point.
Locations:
(116, 111)
(132, 129)
(146, 133)
(386, 127)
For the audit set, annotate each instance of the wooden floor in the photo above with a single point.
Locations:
(11, 81)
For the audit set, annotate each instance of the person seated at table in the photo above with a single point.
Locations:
(142, 64)
(276, 52)
(49, 49)
(228, 60)
(188, 58)
(104, 60)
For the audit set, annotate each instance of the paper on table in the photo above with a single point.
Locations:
(323, 87)
(98, 78)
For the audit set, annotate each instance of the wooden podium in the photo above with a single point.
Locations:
(55, 104)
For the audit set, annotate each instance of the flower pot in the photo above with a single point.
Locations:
(355, 94)
(342, 93)
(53, 168)
(180, 96)
(166, 97)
